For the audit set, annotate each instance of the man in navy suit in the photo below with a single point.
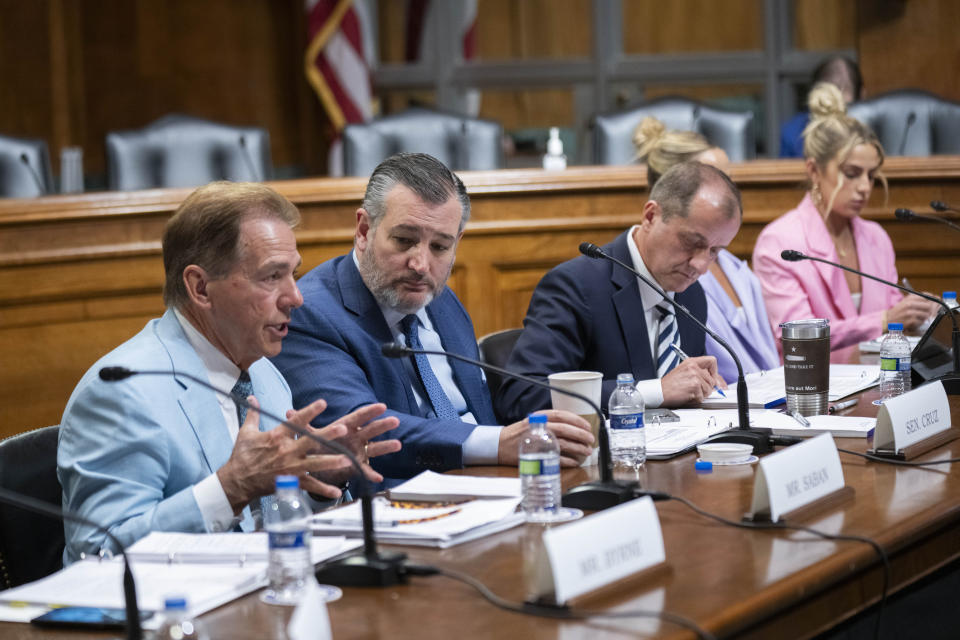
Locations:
(391, 287)
(590, 314)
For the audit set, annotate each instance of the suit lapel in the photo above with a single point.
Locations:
(199, 404)
(820, 245)
(629, 306)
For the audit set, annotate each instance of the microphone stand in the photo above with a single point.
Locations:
(134, 632)
(906, 215)
(371, 568)
(594, 495)
(942, 207)
(762, 439)
(951, 381)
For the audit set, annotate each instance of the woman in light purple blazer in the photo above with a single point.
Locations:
(735, 309)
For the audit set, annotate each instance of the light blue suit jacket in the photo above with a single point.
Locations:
(131, 451)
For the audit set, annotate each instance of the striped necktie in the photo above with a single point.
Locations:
(667, 358)
(438, 398)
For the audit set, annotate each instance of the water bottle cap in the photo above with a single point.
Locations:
(537, 418)
(175, 603)
(895, 326)
(288, 482)
(624, 377)
(949, 295)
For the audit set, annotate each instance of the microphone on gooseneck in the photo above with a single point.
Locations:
(16, 499)
(762, 440)
(911, 118)
(942, 207)
(906, 215)
(248, 159)
(594, 495)
(369, 569)
(951, 381)
(25, 160)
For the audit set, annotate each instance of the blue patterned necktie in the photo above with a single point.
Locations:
(438, 398)
(667, 358)
(243, 389)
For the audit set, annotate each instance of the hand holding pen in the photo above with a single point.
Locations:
(692, 380)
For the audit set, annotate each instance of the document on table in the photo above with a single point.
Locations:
(767, 389)
(873, 346)
(166, 546)
(838, 426)
(430, 485)
(442, 526)
(668, 439)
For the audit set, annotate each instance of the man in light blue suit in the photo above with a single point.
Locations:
(163, 453)
(392, 287)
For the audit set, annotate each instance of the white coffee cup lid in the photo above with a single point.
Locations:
(724, 452)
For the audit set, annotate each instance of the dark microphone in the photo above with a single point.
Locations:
(13, 498)
(951, 381)
(942, 207)
(594, 495)
(25, 159)
(911, 118)
(245, 152)
(905, 215)
(762, 440)
(369, 569)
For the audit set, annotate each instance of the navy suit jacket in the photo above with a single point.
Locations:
(333, 352)
(587, 315)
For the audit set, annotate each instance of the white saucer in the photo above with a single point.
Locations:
(563, 514)
(732, 463)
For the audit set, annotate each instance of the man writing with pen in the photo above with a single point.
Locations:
(593, 315)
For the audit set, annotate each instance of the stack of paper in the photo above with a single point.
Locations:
(767, 389)
(873, 346)
(839, 426)
(669, 439)
(430, 485)
(439, 525)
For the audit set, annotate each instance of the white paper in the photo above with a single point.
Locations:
(430, 485)
(604, 547)
(797, 476)
(168, 546)
(768, 388)
(695, 425)
(837, 426)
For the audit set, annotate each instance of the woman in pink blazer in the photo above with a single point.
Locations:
(843, 158)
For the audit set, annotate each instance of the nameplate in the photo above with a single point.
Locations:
(912, 417)
(795, 477)
(603, 548)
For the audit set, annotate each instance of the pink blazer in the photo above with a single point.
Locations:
(807, 289)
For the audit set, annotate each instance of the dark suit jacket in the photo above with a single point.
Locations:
(333, 352)
(587, 315)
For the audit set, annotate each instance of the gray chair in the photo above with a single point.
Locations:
(31, 545)
(182, 151)
(730, 130)
(24, 168)
(462, 144)
(911, 122)
(495, 349)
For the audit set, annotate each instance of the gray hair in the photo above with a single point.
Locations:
(679, 185)
(423, 174)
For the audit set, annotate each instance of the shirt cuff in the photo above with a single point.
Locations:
(652, 392)
(482, 446)
(214, 506)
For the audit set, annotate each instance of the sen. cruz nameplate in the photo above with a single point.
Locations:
(795, 478)
(911, 420)
(603, 548)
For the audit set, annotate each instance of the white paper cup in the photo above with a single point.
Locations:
(586, 383)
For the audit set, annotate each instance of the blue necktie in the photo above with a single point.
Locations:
(438, 398)
(667, 358)
(244, 389)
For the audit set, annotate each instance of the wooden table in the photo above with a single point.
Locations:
(735, 583)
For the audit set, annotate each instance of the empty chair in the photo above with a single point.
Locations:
(24, 168)
(182, 151)
(31, 545)
(463, 144)
(730, 130)
(495, 349)
(911, 122)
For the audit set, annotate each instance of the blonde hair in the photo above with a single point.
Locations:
(662, 149)
(833, 135)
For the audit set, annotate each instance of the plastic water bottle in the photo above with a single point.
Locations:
(628, 438)
(950, 298)
(894, 362)
(286, 519)
(177, 625)
(540, 470)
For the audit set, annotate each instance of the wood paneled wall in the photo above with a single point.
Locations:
(80, 274)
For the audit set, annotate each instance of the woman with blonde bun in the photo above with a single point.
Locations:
(735, 309)
(843, 159)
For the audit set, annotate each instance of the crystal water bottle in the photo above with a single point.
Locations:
(177, 624)
(950, 298)
(628, 439)
(286, 519)
(539, 470)
(894, 362)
